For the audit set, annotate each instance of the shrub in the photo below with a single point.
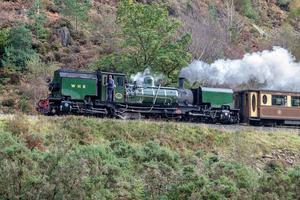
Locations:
(122, 149)
(34, 141)
(3, 41)
(8, 102)
(243, 177)
(19, 48)
(189, 182)
(295, 12)
(200, 153)
(247, 9)
(25, 105)
(284, 3)
(274, 167)
(153, 152)
(9, 75)
(294, 176)
(274, 183)
(18, 171)
(39, 18)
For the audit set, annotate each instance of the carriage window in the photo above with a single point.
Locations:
(279, 100)
(253, 103)
(295, 101)
(120, 81)
(265, 99)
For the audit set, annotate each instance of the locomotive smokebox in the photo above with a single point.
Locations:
(181, 83)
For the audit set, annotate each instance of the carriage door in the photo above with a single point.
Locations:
(239, 103)
(120, 88)
(104, 87)
(253, 102)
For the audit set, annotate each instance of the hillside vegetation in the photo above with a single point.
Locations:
(40, 36)
(88, 158)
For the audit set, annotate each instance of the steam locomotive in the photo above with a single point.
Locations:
(85, 93)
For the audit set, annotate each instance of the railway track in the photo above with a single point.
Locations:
(236, 127)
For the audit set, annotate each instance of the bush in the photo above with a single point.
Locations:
(247, 9)
(189, 182)
(122, 149)
(19, 173)
(294, 176)
(25, 105)
(295, 12)
(284, 3)
(3, 41)
(153, 152)
(39, 18)
(8, 103)
(19, 48)
(242, 176)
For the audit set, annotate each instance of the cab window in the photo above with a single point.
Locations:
(104, 80)
(296, 101)
(279, 100)
(120, 81)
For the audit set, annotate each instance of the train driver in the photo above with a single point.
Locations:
(110, 88)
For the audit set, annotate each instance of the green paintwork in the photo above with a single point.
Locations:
(78, 88)
(79, 85)
(216, 97)
(154, 95)
(119, 92)
(104, 87)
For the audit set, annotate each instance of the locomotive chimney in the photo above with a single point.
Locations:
(181, 83)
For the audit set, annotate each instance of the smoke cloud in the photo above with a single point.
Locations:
(276, 69)
(139, 77)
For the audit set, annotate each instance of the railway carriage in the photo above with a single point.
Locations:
(268, 107)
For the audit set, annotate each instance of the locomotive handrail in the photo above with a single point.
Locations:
(154, 101)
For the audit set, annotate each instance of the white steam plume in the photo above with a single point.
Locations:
(277, 69)
(139, 77)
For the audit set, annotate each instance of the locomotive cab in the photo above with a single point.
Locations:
(119, 91)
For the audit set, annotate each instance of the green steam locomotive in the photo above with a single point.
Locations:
(85, 93)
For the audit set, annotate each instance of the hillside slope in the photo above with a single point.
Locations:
(219, 29)
(226, 28)
(88, 158)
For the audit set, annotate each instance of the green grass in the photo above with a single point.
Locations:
(89, 158)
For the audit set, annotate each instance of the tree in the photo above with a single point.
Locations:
(19, 47)
(150, 40)
(3, 41)
(39, 18)
(76, 9)
(246, 8)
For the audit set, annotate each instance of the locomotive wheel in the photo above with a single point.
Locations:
(111, 112)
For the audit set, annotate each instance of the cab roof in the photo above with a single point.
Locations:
(82, 74)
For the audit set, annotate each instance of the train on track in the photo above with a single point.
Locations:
(86, 93)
